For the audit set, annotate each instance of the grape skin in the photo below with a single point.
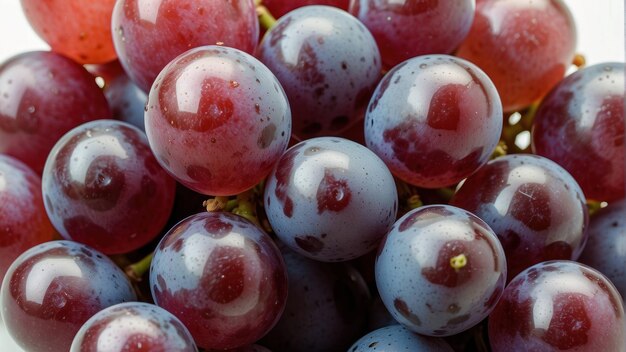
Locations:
(279, 8)
(397, 338)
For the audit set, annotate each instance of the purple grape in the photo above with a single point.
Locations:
(606, 248)
(279, 8)
(52, 289)
(217, 120)
(534, 206)
(42, 96)
(440, 270)
(411, 28)
(103, 187)
(326, 306)
(222, 276)
(133, 326)
(396, 338)
(330, 199)
(329, 65)
(558, 305)
(434, 120)
(581, 123)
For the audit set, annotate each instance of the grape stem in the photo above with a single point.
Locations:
(137, 270)
(266, 20)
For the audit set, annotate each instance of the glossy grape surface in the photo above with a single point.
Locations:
(524, 46)
(326, 307)
(397, 338)
(42, 96)
(606, 248)
(440, 270)
(52, 289)
(534, 206)
(279, 8)
(133, 327)
(329, 65)
(408, 28)
(80, 30)
(149, 34)
(222, 277)
(103, 187)
(434, 120)
(330, 199)
(217, 120)
(558, 306)
(580, 125)
(23, 219)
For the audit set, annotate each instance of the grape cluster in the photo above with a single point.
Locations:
(199, 175)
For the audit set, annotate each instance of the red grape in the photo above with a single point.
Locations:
(23, 219)
(581, 124)
(279, 8)
(222, 276)
(52, 289)
(42, 96)
(558, 305)
(534, 206)
(133, 327)
(217, 120)
(78, 29)
(148, 34)
(409, 28)
(524, 46)
(103, 187)
(434, 120)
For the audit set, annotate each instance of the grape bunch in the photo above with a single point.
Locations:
(311, 175)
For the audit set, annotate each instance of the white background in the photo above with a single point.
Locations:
(600, 25)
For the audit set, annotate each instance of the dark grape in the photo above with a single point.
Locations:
(42, 96)
(52, 289)
(409, 28)
(580, 125)
(80, 30)
(279, 8)
(148, 34)
(397, 338)
(133, 327)
(217, 120)
(606, 248)
(558, 305)
(434, 120)
(23, 219)
(330, 199)
(103, 187)
(525, 46)
(534, 206)
(329, 65)
(222, 276)
(440, 270)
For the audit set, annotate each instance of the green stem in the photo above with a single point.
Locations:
(137, 270)
(266, 20)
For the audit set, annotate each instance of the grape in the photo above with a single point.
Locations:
(524, 46)
(534, 206)
(409, 28)
(147, 34)
(434, 120)
(23, 220)
(133, 326)
(334, 294)
(212, 110)
(249, 348)
(558, 305)
(42, 96)
(329, 65)
(103, 187)
(440, 270)
(330, 199)
(606, 248)
(396, 338)
(222, 276)
(52, 289)
(80, 30)
(279, 8)
(581, 123)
